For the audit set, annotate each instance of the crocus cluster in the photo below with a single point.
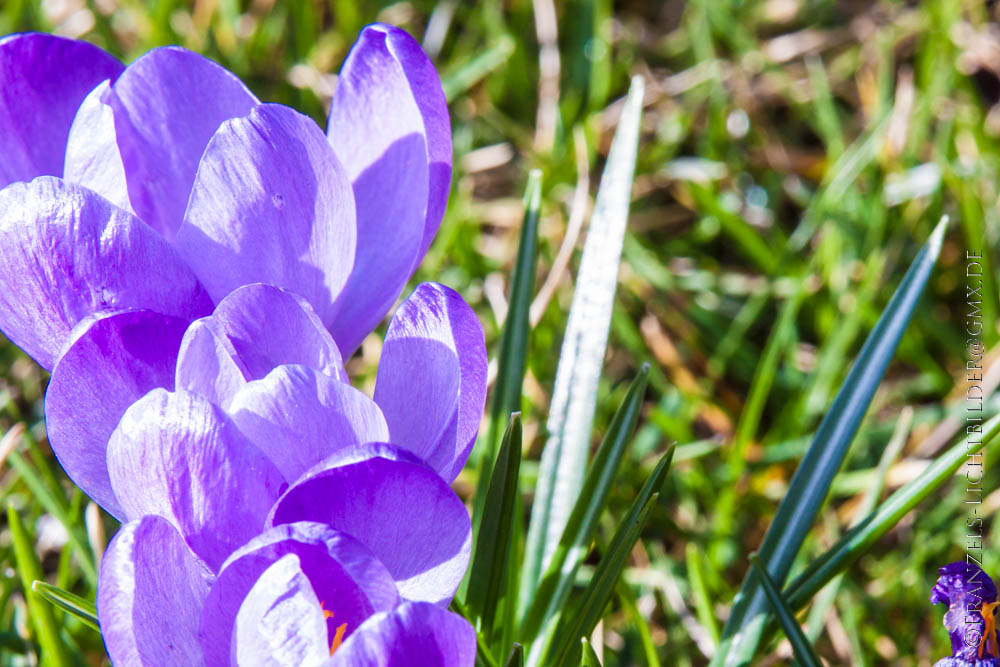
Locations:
(971, 597)
(193, 265)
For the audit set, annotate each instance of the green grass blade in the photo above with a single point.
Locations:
(53, 651)
(571, 414)
(516, 657)
(74, 604)
(859, 539)
(746, 238)
(600, 589)
(465, 77)
(804, 652)
(563, 644)
(699, 591)
(839, 179)
(641, 623)
(512, 358)
(561, 572)
(818, 611)
(493, 542)
(812, 479)
(588, 657)
(723, 549)
(56, 506)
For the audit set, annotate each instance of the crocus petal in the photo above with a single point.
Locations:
(431, 382)
(43, 80)
(167, 105)
(406, 515)
(280, 623)
(348, 581)
(415, 633)
(428, 94)
(150, 589)
(207, 366)
(180, 457)
(389, 126)
(113, 361)
(297, 416)
(67, 253)
(254, 329)
(271, 204)
(93, 158)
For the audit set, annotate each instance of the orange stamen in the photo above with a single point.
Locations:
(989, 629)
(338, 638)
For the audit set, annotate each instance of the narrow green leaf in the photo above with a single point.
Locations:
(859, 539)
(74, 604)
(723, 548)
(459, 81)
(818, 612)
(839, 178)
(512, 358)
(746, 238)
(516, 657)
(588, 657)
(563, 644)
(493, 541)
(804, 653)
(571, 415)
(811, 482)
(699, 591)
(827, 121)
(559, 576)
(53, 651)
(627, 598)
(601, 587)
(56, 506)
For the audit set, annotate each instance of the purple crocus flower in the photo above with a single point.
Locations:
(971, 597)
(264, 361)
(166, 185)
(299, 594)
(266, 524)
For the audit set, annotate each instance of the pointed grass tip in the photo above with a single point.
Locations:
(937, 236)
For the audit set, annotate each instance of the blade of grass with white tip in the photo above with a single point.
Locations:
(805, 655)
(571, 415)
(811, 482)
